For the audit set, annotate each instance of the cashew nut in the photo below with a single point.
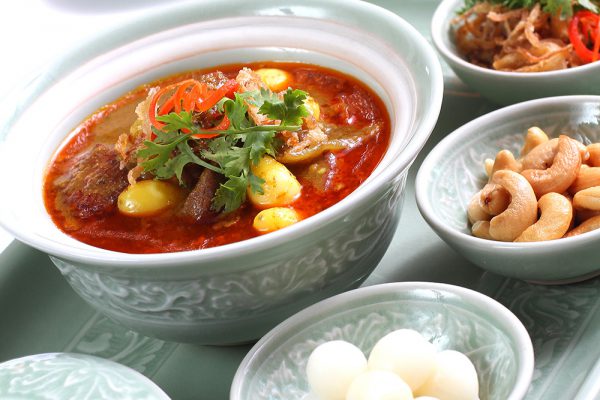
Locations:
(481, 229)
(520, 213)
(586, 226)
(494, 199)
(569, 197)
(535, 136)
(588, 199)
(505, 160)
(476, 211)
(586, 177)
(562, 172)
(584, 215)
(594, 151)
(541, 156)
(583, 151)
(489, 201)
(555, 219)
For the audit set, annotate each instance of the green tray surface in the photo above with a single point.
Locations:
(40, 313)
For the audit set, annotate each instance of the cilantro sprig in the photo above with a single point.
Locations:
(158, 153)
(550, 6)
(232, 152)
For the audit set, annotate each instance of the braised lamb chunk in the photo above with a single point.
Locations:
(197, 206)
(91, 186)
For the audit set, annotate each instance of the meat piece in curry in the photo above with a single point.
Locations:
(91, 186)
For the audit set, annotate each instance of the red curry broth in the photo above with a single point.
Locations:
(344, 102)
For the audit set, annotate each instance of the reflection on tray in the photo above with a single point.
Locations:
(563, 324)
(103, 338)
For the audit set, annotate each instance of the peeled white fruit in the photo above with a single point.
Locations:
(455, 378)
(332, 367)
(379, 385)
(406, 353)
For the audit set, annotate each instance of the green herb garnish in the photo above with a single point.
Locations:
(232, 150)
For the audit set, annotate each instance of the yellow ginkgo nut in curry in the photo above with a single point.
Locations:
(276, 79)
(275, 218)
(148, 198)
(280, 186)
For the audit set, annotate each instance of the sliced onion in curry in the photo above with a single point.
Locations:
(339, 138)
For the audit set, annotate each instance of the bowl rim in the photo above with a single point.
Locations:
(502, 315)
(98, 362)
(447, 8)
(106, 258)
(422, 181)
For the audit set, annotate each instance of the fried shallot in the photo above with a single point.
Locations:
(514, 40)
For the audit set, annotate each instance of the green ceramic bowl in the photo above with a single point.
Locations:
(70, 376)
(453, 171)
(451, 317)
(508, 87)
(233, 293)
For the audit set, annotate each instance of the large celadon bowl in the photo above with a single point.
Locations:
(454, 171)
(450, 317)
(508, 87)
(237, 292)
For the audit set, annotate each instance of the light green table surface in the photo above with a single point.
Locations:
(40, 313)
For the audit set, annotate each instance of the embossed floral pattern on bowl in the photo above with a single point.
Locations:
(70, 376)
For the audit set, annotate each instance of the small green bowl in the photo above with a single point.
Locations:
(70, 376)
(508, 87)
(451, 317)
(454, 170)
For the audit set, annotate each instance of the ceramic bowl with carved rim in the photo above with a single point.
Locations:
(450, 317)
(454, 170)
(236, 292)
(70, 376)
(508, 87)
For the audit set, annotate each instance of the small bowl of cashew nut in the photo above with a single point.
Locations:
(517, 191)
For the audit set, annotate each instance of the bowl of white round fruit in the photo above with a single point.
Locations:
(396, 341)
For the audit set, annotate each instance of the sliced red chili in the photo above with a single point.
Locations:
(224, 124)
(213, 98)
(584, 33)
(152, 106)
(596, 49)
(189, 102)
(191, 95)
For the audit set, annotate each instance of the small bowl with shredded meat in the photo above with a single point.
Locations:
(511, 51)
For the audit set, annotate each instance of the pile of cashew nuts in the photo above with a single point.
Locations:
(559, 177)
